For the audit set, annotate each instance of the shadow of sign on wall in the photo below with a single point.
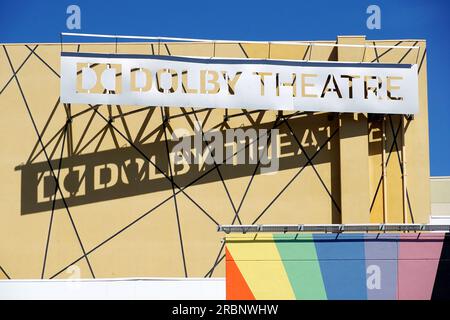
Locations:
(124, 171)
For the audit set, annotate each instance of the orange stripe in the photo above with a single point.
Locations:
(237, 287)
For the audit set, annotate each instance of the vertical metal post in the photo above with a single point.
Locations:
(417, 58)
(69, 132)
(364, 53)
(385, 213)
(68, 135)
(404, 175)
(166, 114)
(310, 51)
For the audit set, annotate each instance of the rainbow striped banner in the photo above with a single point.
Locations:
(338, 266)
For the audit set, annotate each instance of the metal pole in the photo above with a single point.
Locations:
(405, 200)
(310, 52)
(69, 131)
(418, 52)
(383, 157)
(364, 53)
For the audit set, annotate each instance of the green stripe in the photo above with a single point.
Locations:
(298, 253)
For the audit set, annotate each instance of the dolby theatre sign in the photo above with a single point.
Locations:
(147, 80)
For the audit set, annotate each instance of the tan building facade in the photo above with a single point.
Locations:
(117, 215)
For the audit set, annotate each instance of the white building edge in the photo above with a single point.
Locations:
(440, 200)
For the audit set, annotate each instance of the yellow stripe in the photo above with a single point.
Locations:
(261, 266)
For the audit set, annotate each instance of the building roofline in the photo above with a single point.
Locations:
(440, 177)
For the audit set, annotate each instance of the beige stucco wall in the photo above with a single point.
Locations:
(440, 196)
(132, 232)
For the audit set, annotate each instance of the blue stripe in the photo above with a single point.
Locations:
(343, 266)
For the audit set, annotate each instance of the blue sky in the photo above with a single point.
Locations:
(42, 21)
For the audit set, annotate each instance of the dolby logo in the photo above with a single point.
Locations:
(106, 78)
(99, 78)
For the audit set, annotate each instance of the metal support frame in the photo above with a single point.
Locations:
(333, 228)
(213, 42)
